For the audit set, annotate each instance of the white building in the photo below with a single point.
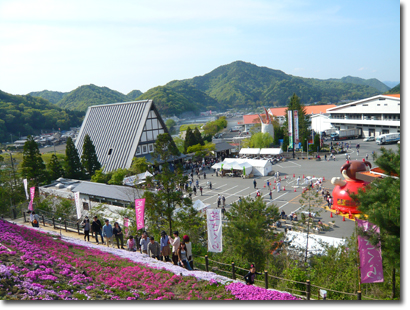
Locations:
(375, 115)
(320, 122)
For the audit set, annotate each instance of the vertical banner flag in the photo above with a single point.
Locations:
(214, 221)
(290, 129)
(32, 192)
(77, 204)
(25, 188)
(371, 267)
(296, 125)
(140, 212)
(126, 225)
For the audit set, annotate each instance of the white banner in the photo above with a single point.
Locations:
(78, 204)
(296, 125)
(214, 221)
(290, 130)
(25, 188)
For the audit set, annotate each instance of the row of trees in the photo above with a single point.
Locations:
(34, 169)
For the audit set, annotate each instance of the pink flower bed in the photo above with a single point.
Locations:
(49, 267)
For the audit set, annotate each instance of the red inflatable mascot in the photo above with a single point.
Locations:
(341, 198)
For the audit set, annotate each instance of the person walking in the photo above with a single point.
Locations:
(270, 194)
(200, 189)
(298, 180)
(278, 186)
(117, 231)
(108, 234)
(268, 184)
(223, 211)
(164, 246)
(86, 225)
(240, 199)
(144, 243)
(210, 185)
(188, 245)
(36, 219)
(154, 249)
(96, 226)
(197, 183)
(204, 175)
(218, 201)
(31, 217)
(175, 246)
(194, 189)
(254, 183)
(223, 200)
(182, 256)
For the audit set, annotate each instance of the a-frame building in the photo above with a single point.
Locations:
(120, 131)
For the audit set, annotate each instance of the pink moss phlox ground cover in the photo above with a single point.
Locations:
(250, 292)
(68, 268)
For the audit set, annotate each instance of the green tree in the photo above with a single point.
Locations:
(201, 151)
(118, 176)
(55, 169)
(192, 223)
(89, 158)
(165, 148)
(261, 140)
(139, 165)
(294, 104)
(380, 201)
(72, 165)
(33, 167)
(198, 136)
(248, 233)
(170, 123)
(190, 139)
(101, 177)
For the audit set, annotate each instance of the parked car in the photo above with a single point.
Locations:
(368, 139)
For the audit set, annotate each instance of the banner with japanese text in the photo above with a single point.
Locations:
(290, 128)
(214, 221)
(296, 125)
(78, 205)
(140, 212)
(371, 267)
(25, 188)
(32, 192)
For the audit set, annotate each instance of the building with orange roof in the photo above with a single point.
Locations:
(374, 116)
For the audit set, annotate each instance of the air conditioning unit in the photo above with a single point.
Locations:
(59, 185)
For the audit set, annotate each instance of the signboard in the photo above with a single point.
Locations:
(290, 129)
(32, 192)
(214, 221)
(78, 205)
(296, 125)
(140, 212)
(371, 267)
(25, 188)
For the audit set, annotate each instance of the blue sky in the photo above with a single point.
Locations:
(126, 45)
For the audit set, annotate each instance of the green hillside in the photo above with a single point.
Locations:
(29, 115)
(132, 95)
(245, 84)
(52, 96)
(375, 83)
(88, 95)
(170, 102)
(394, 90)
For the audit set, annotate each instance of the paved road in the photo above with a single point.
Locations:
(233, 188)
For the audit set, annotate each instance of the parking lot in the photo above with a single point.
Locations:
(288, 200)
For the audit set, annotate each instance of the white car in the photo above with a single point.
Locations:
(368, 139)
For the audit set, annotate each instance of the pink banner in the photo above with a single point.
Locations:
(126, 225)
(140, 212)
(32, 191)
(371, 266)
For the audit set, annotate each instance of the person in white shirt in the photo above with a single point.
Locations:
(188, 250)
(175, 245)
(31, 217)
(144, 243)
(297, 181)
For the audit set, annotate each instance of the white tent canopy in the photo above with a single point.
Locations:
(136, 179)
(217, 166)
(259, 166)
(316, 245)
(249, 151)
(228, 165)
(271, 151)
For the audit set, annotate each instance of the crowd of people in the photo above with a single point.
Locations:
(181, 252)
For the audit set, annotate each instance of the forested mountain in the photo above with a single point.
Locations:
(244, 84)
(29, 115)
(132, 95)
(87, 95)
(238, 84)
(394, 90)
(52, 96)
(359, 81)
